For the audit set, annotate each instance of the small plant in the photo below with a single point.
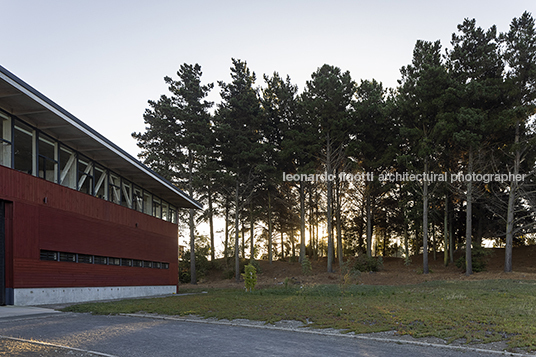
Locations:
(479, 259)
(306, 266)
(288, 281)
(250, 277)
(407, 261)
(349, 275)
(364, 263)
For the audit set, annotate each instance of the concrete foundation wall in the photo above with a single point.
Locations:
(44, 296)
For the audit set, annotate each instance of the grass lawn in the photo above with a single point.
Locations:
(477, 311)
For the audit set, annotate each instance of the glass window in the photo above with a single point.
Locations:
(126, 190)
(137, 199)
(147, 203)
(165, 211)
(47, 166)
(5, 140)
(101, 184)
(115, 189)
(67, 167)
(85, 175)
(157, 207)
(24, 148)
(173, 214)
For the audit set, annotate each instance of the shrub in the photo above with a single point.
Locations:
(479, 259)
(250, 277)
(306, 266)
(364, 263)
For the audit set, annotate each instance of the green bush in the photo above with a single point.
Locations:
(479, 259)
(306, 266)
(250, 277)
(364, 263)
(202, 265)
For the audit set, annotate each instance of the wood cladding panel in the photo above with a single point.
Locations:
(71, 221)
(45, 274)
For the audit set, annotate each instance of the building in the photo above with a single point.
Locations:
(80, 219)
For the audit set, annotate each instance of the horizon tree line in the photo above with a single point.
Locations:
(467, 109)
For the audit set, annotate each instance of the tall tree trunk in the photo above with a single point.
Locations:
(243, 241)
(311, 229)
(451, 239)
(434, 243)
(360, 231)
(237, 229)
(211, 224)
(282, 246)
(193, 277)
(293, 242)
(270, 228)
(369, 219)
(252, 232)
(338, 214)
(445, 232)
(384, 250)
(511, 206)
(425, 269)
(329, 205)
(302, 221)
(317, 232)
(406, 238)
(225, 249)
(469, 218)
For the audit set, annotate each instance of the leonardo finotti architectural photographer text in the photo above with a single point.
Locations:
(406, 177)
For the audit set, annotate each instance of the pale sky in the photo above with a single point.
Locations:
(102, 60)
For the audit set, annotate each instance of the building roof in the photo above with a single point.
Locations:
(23, 101)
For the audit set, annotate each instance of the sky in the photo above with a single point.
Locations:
(103, 60)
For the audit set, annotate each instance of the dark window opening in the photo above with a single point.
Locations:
(101, 260)
(67, 257)
(83, 258)
(49, 255)
(137, 263)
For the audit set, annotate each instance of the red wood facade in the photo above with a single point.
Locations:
(42, 215)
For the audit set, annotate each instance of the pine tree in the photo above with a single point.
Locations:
(477, 69)
(327, 99)
(239, 141)
(520, 55)
(421, 103)
(175, 141)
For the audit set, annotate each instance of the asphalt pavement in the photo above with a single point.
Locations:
(45, 332)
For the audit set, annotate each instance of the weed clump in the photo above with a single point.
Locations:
(306, 266)
(479, 259)
(364, 263)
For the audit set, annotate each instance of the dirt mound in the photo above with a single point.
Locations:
(394, 271)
